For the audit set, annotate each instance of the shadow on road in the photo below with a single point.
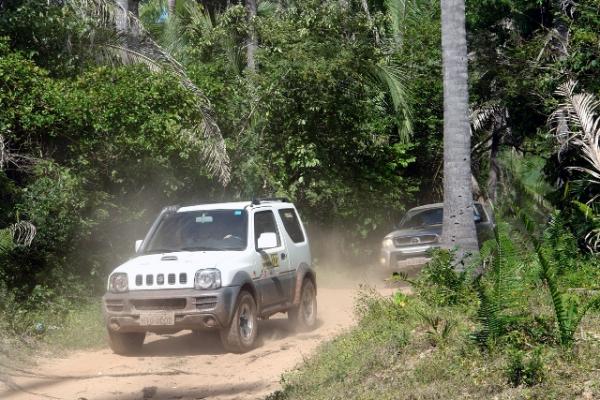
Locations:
(199, 392)
(209, 343)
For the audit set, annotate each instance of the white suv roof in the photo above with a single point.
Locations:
(216, 206)
(234, 205)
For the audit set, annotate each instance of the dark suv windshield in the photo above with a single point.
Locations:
(434, 216)
(216, 230)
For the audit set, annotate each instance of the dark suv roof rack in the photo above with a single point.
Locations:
(258, 200)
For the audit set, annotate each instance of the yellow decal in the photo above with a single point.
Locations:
(275, 260)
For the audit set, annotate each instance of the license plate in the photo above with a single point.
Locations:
(157, 319)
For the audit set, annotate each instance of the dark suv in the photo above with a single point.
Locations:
(421, 229)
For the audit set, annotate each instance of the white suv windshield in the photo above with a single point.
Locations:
(216, 230)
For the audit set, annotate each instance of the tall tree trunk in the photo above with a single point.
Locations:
(171, 7)
(126, 7)
(459, 225)
(252, 45)
(494, 174)
(123, 10)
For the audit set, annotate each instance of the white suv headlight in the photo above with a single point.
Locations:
(118, 283)
(207, 279)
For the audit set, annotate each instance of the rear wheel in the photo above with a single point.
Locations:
(126, 343)
(241, 334)
(304, 315)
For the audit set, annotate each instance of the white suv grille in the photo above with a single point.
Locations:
(151, 280)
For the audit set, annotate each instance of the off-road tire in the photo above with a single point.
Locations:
(240, 336)
(126, 343)
(303, 317)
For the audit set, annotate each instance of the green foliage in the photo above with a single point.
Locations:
(443, 284)
(501, 287)
(568, 310)
(525, 370)
(438, 329)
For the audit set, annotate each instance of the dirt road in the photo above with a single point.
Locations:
(184, 366)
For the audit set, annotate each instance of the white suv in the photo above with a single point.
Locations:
(214, 267)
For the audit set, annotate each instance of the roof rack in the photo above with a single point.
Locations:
(258, 200)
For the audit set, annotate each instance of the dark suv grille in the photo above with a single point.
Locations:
(415, 240)
(159, 304)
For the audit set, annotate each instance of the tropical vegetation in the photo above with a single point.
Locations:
(110, 110)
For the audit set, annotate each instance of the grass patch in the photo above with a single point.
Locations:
(395, 353)
(82, 328)
(498, 336)
(62, 326)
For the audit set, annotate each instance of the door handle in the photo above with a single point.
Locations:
(283, 256)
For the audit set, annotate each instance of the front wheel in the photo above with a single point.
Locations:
(126, 343)
(241, 334)
(304, 316)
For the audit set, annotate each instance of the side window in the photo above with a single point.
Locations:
(264, 221)
(292, 224)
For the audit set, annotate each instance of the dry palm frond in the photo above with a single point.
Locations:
(119, 37)
(8, 157)
(22, 233)
(577, 124)
(486, 114)
(592, 241)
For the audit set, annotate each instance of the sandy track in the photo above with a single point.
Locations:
(184, 366)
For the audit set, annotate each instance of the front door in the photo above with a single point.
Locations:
(273, 260)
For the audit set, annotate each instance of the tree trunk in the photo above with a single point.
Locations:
(122, 20)
(252, 45)
(171, 7)
(134, 8)
(126, 7)
(459, 226)
(494, 174)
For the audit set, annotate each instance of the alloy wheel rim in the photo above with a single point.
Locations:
(246, 321)
(308, 305)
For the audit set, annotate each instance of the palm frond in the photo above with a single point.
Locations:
(266, 8)
(592, 237)
(399, 13)
(8, 157)
(391, 77)
(580, 112)
(135, 46)
(483, 115)
(23, 233)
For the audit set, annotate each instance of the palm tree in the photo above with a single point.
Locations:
(252, 45)
(459, 226)
(130, 43)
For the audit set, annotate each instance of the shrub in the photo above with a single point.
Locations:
(525, 368)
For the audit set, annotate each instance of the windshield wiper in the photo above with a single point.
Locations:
(200, 248)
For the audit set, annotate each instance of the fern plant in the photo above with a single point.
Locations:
(568, 310)
(500, 288)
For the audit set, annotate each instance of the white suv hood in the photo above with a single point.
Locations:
(178, 263)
